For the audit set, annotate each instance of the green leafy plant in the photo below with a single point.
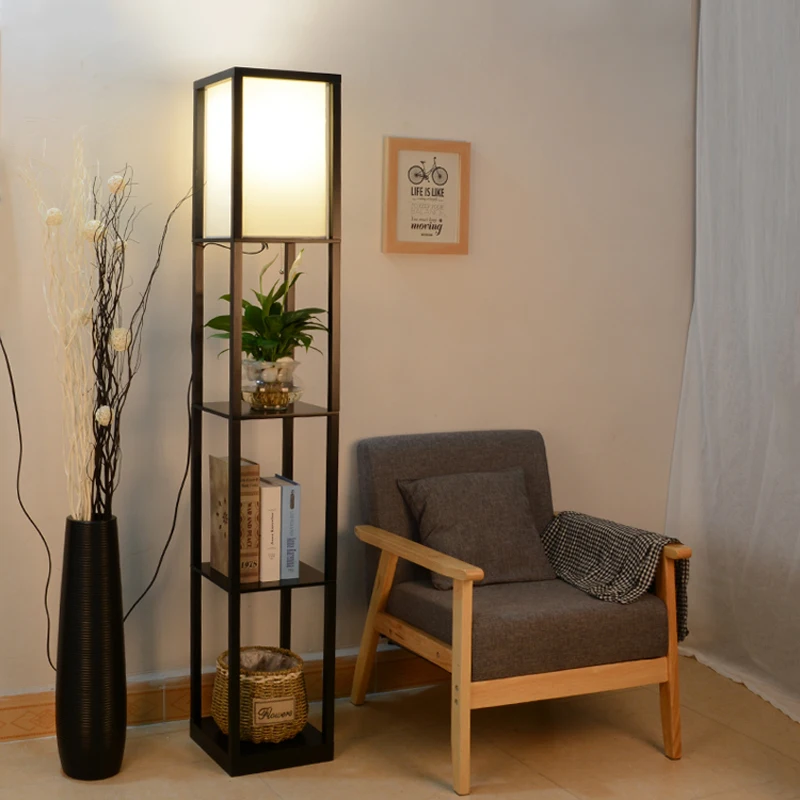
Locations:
(269, 331)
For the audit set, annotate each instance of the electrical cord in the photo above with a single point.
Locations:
(42, 536)
(177, 505)
(264, 246)
(22, 504)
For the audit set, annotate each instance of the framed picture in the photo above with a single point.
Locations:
(426, 196)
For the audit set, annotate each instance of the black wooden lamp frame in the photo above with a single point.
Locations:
(312, 745)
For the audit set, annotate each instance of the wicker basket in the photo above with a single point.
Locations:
(273, 700)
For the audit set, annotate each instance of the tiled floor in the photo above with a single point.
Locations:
(599, 747)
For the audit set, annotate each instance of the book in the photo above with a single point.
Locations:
(290, 527)
(249, 522)
(270, 550)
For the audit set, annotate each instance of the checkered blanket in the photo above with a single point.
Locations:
(611, 561)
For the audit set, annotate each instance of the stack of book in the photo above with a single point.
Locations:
(269, 523)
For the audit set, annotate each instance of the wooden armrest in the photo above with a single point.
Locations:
(419, 554)
(677, 551)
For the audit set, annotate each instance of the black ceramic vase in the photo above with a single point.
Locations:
(91, 707)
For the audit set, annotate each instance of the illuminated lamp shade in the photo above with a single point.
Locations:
(286, 157)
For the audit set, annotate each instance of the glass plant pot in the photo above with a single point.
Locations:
(270, 385)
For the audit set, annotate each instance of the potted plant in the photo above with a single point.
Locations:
(270, 334)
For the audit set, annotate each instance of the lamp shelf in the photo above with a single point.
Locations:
(299, 409)
(267, 161)
(278, 74)
(308, 747)
(309, 576)
(227, 240)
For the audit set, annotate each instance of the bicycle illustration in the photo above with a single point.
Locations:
(437, 174)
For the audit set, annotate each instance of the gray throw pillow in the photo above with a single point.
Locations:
(483, 518)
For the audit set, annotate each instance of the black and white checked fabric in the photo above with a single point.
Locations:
(611, 561)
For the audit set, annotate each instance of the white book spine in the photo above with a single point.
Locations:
(270, 556)
(290, 530)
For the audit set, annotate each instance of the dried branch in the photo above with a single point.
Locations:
(100, 355)
(117, 348)
(68, 294)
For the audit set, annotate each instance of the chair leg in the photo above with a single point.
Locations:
(461, 700)
(670, 689)
(369, 640)
(671, 717)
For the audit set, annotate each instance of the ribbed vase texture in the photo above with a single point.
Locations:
(91, 707)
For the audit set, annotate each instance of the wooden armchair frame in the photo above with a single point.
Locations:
(467, 694)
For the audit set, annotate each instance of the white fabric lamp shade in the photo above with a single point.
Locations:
(218, 159)
(285, 158)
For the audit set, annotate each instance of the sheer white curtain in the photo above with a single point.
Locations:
(735, 484)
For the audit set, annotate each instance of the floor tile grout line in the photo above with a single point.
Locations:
(685, 704)
(739, 685)
(726, 792)
(532, 769)
(698, 797)
(274, 791)
(741, 733)
(779, 776)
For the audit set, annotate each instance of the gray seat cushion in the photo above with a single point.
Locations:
(542, 626)
(483, 518)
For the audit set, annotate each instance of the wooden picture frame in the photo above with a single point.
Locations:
(426, 196)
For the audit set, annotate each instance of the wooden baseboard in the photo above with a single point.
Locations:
(30, 716)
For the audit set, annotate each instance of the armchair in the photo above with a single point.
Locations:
(508, 642)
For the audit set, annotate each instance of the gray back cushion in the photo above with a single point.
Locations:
(385, 460)
(483, 518)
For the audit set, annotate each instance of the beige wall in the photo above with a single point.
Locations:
(569, 314)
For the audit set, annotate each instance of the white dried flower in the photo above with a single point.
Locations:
(53, 217)
(81, 317)
(103, 416)
(120, 339)
(116, 183)
(93, 230)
